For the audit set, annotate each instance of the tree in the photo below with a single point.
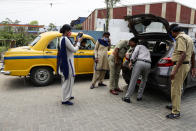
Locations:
(9, 21)
(78, 27)
(109, 5)
(16, 22)
(34, 22)
(51, 27)
(19, 35)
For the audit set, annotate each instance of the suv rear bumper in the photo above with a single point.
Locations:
(159, 78)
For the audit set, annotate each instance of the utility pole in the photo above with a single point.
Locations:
(109, 5)
(107, 14)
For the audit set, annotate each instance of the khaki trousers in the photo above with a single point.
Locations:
(98, 76)
(176, 87)
(114, 73)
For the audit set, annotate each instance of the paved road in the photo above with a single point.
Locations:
(27, 108)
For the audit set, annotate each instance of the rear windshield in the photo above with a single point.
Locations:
(150, 28)
(35, 41)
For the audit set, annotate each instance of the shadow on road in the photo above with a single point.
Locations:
(25, 83)
(16, 83)
(189, 92)
(83, 78)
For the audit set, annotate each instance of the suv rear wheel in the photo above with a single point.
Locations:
(41, 76)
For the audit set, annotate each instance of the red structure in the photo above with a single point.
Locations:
(172, 11)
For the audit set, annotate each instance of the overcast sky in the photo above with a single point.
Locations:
(61, 11)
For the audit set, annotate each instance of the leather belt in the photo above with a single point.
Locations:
(185, 62)
(144, 61)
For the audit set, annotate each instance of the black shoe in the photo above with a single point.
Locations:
(126, 100)
(101, 84)
(168, 107)
(67, 103)
(173, 116)
(92, 87)
(72, 97)
(139, 99)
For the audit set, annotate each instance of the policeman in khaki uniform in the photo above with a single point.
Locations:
(182, 57)
(115, 63)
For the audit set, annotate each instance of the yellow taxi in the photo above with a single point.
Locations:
(38, 60)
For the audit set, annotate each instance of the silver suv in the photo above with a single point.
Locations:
(155, 30)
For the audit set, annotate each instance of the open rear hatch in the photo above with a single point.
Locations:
(149, 27)
(154, 29)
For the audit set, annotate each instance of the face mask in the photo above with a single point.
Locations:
(105, 39)
(69, 34)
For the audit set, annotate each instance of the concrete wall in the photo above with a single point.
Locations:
(118, 29)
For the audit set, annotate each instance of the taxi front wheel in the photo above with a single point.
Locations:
(41, 76)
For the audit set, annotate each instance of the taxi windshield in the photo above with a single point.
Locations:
(35, 41)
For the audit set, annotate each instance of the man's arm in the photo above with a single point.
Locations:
(178, 64)
(193, 60)
(135, 53)
(109, 42)
(193, 69)
(116, 57)
(118, 46)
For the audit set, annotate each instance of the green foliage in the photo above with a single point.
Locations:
(34, 22)
(21, 38)
(51, 27)
(78, 27)
(2, 49)
(18, 34)
(9, 21)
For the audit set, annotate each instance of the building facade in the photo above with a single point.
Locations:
(174, 12)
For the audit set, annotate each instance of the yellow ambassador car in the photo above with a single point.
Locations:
(38, 60)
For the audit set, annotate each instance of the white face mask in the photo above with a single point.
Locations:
(105, 39)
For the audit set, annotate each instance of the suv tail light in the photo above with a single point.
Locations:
(138, 81)
(165, 62)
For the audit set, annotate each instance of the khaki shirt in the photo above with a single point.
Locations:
(123, 47)
(184, 43)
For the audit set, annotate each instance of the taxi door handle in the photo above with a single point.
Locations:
(48, 52)
(81, 52)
